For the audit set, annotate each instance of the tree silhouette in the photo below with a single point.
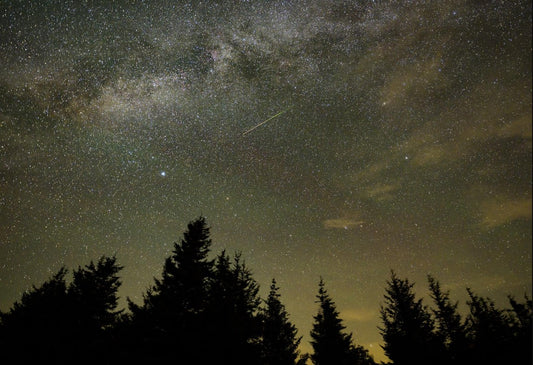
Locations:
(94, 291)
(521, 326)
(185, 272)
(56, 324)
(233, 313)
(170, 319)
(279, 343)
(331, 345)
(450, 329)
(490, 331)
(205, 311)
(407, 326)
(38, 327)
(93, 298)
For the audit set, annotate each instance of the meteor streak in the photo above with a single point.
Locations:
(265, 121)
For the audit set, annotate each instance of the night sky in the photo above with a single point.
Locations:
(399, 138)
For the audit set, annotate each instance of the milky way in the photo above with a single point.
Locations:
(401, 140)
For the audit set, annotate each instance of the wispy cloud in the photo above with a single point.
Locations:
(342, 223)
(381, 191)
(520, 127)
(358, 315)
(411, 79)
(498, 212)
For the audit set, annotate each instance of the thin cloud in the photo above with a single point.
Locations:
(496, 213)
(358, 315)
(521, 127)
(342, 223)
(381, 191)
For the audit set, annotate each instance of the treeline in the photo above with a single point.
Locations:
(204, 311)
(415, 334)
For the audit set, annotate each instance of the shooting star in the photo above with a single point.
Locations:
(265, 121)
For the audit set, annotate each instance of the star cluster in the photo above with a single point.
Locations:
(404, 143)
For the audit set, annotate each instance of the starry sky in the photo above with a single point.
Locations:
(399, 138)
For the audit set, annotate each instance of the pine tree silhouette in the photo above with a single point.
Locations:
(234, 323)
(94, 290)
(522, 330)
(93, 296)
(208, 312)
(331, 345)
(490, 331)
(185, 272)
(407, 326)
(450, 329)
(56, 324)
(39, 326)
(172, 317)
(279, 343)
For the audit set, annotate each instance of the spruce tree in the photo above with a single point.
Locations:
(279, 342)
(490, 331)
(331, 345)
(172, 317)
(522, 330)
(38, 327)
(93, 295)
(407, 326)
(64, 325)
(94, 291)
(233, 315)
(185, 272)
(450, 330)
